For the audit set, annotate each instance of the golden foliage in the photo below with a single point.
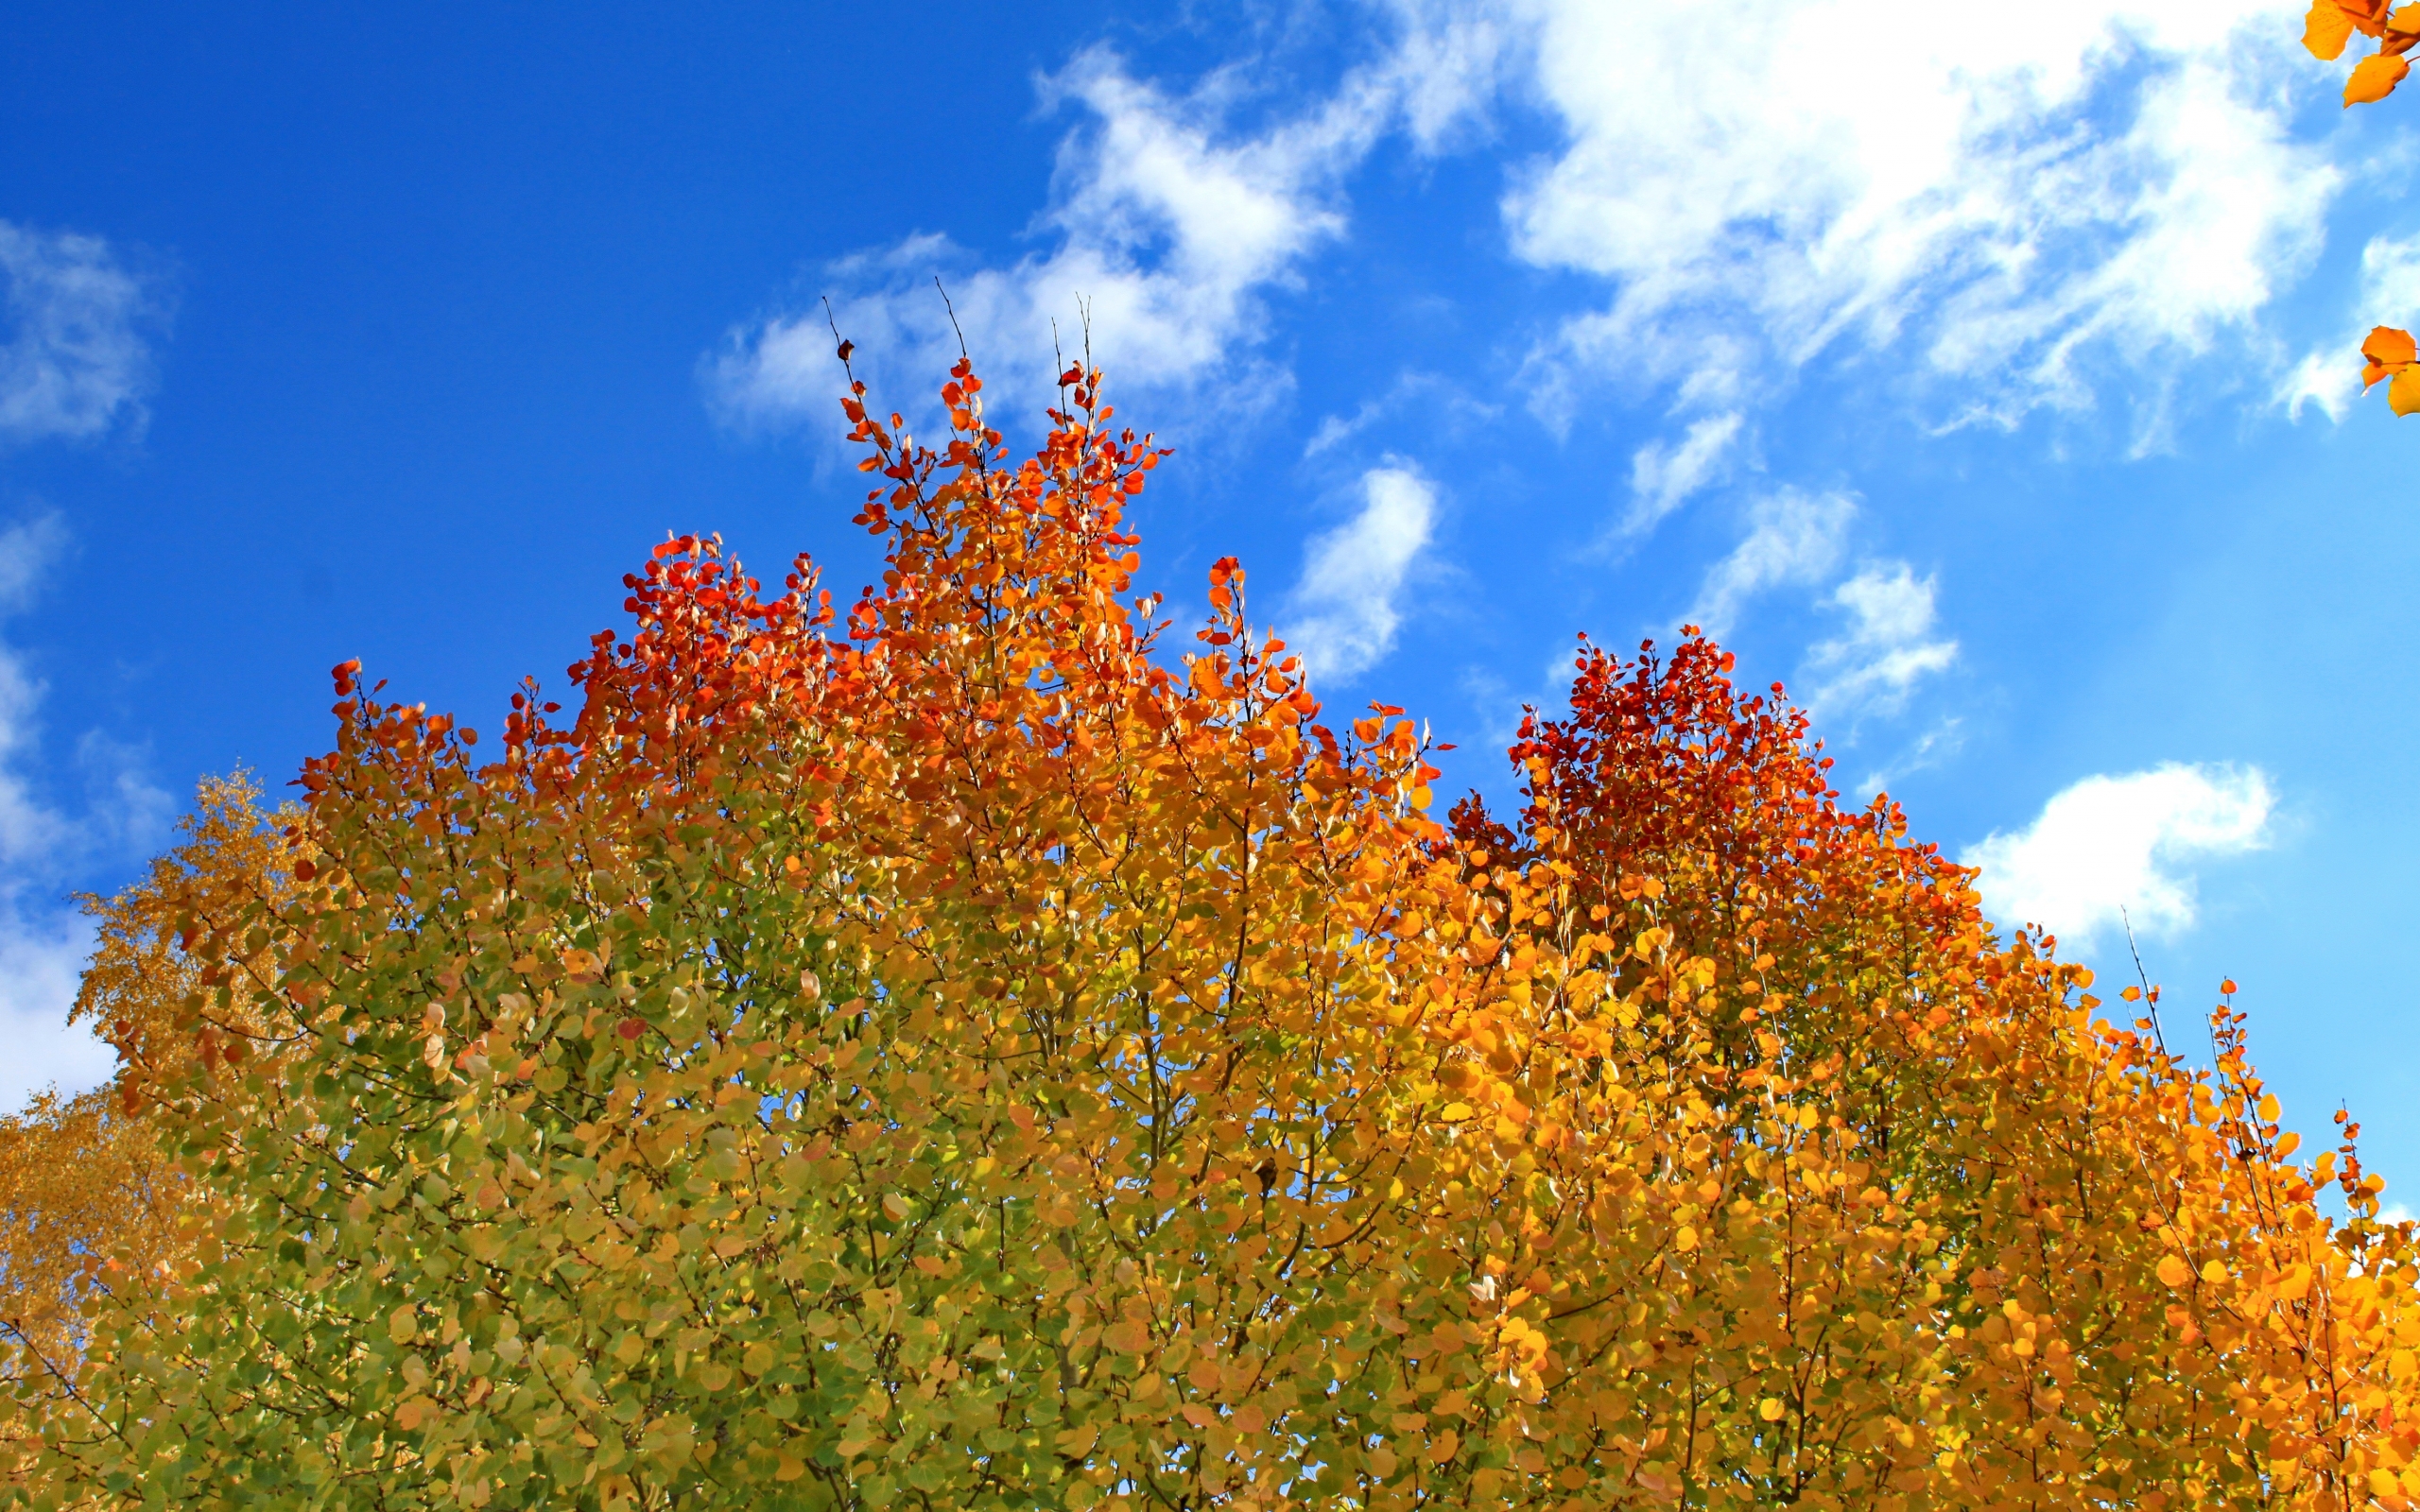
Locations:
(952, 1052)
(90, 1198)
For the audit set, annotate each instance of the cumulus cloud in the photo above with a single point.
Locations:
(1793, 538)
(1162, 226)
(1342, 616)
(1888, 647)
(1989, 191)
(1662, 477)
(2329, 376)
(2127, 842)
(74, 353)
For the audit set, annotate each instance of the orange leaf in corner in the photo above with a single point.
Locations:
(2374, 78)
(2325, 29)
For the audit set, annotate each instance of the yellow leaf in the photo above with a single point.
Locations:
(2325, 29)
(2374, 78)
(1685, 1239)
(2174, 1272)
(2403, 395)
(2269, 1108)
(2214, 1272)
(1078, 1442)
(894, 1204)
(1456, 1112)
(403, 1324)
(790, 1467)
(1770, 1409)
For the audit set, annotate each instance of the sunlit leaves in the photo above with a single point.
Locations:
(2389, 353)
(2397, 28)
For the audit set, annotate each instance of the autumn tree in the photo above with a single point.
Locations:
(953, 1049)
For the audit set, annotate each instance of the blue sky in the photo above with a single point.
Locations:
(1991, 384)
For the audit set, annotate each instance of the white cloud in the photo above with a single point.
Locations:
(2330, 376)
(1662, 477)
(1445, 405)
(1167, 230)
(1445, 64)
(1888, 644)
(2112, 843)
(40, 962)
(1793, 538)
(1989, 191)
(43, 945)
(1343, 615)
(28, 828)
(75, 360)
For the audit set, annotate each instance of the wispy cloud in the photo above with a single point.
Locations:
(1889, 646)
(1662, 477)
(2329, 377)
(2126, 843)
(75, 351)
(1795, 538)
(43, 944)
(1168, 228)
(1342, 616)
(1989, 196)
(1440, 400)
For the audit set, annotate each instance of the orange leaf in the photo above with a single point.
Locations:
(2389, 347)
(2174, 1272)
(2374, 78)
(2403, 395)
(2325, 29)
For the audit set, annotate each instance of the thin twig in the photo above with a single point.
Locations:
(952, 311)
(2150, 997)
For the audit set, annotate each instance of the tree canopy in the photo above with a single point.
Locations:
(961, 1049)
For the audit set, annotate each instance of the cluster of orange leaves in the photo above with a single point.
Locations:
(2388, 353)
(953, 1051)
